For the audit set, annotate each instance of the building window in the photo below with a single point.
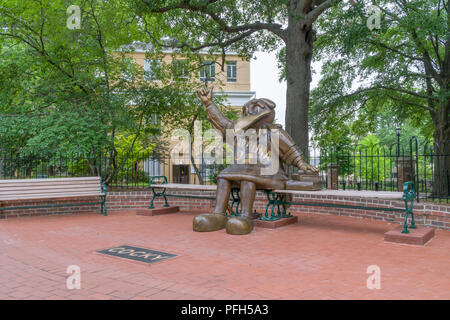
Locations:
(231, 71)
(152, 167)
(127, 69)
(152, 70)
(154, 119)
(208, 71)
(208, 172)
(180, 70)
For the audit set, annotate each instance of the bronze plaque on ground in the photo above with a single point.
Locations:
(138, 254)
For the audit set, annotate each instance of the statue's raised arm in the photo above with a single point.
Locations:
(215, 117)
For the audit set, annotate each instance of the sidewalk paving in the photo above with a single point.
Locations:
(321, 257)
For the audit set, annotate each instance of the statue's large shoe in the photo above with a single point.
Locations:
(239, 225)
(209, 222)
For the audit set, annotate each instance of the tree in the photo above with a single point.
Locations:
(403, 67)
(375, 166)
(245, 25)
(74, 89)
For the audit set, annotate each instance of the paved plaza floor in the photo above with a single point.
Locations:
(321, 257)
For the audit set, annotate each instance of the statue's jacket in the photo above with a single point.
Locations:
(288, 153)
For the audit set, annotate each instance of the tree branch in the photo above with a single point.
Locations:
(435, 43)
(272, 27)
(406, 91)
(204, 9)
(317, 2)
(100, 43)
(410, 103)
(426, 57)
(306, 5)
(201, 46)
(395, 50)
(397, 90)
(38, 44)
(183, 4)
(318, 10)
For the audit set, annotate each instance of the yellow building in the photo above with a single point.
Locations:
(234, 82)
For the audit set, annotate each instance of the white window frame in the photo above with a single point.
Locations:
(208, 71)
(127, 75)
(155, 120)
(152, 167)
(207, 170)
(151, 69)
(232, 68)
(184, 74)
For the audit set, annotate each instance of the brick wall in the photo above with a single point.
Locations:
(141, 199)
(437, 216)
(48, 210)
(433, 215)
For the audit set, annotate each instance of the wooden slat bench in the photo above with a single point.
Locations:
(276, 198)
(52, 189)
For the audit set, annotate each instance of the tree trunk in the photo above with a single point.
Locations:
(299, 46)
(196, 169)
(441, 179)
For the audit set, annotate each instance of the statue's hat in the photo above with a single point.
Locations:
(247, 120)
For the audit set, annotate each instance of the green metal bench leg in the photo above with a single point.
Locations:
(408, 196)
(105, 193)
(278, 206)
(282, 212)
(413, 223)
(405, 224)
(166, 204)
(158, 194)
(275, 204)
(104, 210)
(151, 206)
(236, 213)
(271, 202)
(235, 199)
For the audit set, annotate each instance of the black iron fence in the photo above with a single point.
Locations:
(377, 168)
(386, 168)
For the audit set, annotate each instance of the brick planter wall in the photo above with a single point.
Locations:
(432, 215)
(48, 210)
(437, 216)
(141, 199)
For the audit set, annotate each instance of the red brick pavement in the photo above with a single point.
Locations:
(321, 257)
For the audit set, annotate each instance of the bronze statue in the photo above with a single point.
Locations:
(256, 114)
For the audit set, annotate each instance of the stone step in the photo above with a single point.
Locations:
(418, 237)
(157, 211)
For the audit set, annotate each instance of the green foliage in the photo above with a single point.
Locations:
(74, 90)
(373, 163)
(375, 80)
(131, 151)
(215, 173)
(77, 90)
(63, 87)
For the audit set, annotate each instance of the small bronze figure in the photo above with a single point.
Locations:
(256, 114)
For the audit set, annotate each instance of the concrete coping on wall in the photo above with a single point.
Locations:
(340, 193)
(181, 186)
(348, 193)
